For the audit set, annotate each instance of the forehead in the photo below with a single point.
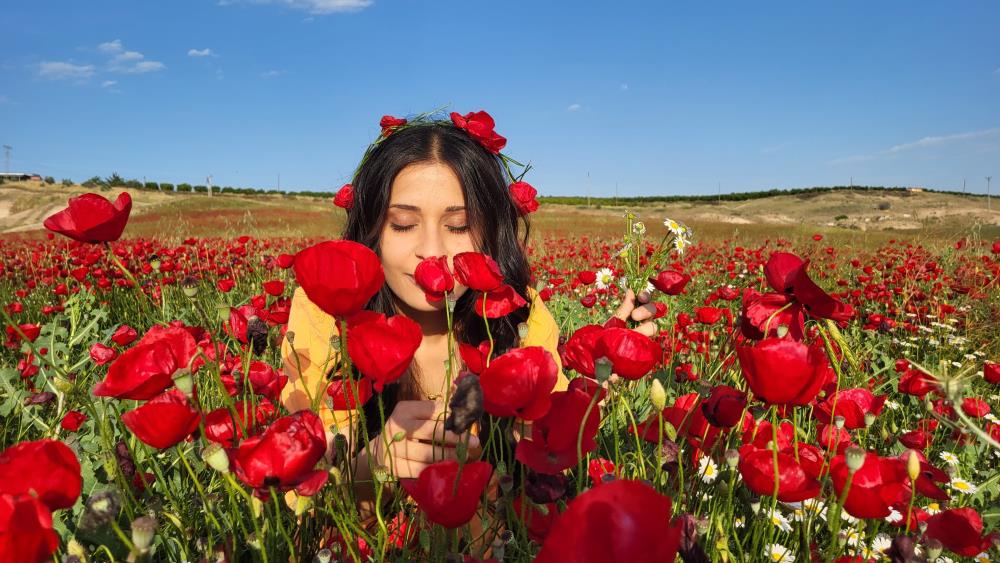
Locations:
(428, 185)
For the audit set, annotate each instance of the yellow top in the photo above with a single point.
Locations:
(311, 356)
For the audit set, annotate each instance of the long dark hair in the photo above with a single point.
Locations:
(498, 229)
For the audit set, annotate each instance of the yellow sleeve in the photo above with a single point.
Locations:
(543, 331)
(308, 356)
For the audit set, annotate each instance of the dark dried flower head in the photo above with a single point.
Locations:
(257, 335)
(466, 405)
(101, 509)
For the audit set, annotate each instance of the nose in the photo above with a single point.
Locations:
(431, 243)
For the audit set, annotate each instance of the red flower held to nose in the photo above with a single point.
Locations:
(46, 469)
(434, 277)
(435, 492)
(340, 276)
(632, 354)
(519, 383)
(477, 271)
(163, 421)
(92, 218)
(622, 521)
(381, 348)
(284, 455)
(784, 372)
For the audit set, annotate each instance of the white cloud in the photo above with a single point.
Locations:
(574, 107)
(270, 73)
(206, 52)
(108, 83)
(923, 143)
(624, 87)
(145, 66)
(110, 46)
(319, 7)
(58, 70)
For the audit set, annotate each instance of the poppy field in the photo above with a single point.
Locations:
(802, 400)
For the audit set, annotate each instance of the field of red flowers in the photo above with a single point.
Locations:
(800, 401)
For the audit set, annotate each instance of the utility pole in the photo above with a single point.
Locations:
(588, 189)
(6, 156)
(720, 192)
(208, 182)
(963, 185)
(279, 181)
(616, 194)
(988, 178)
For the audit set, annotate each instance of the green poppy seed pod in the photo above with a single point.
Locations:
(63, 385)
(222, 312)
(399, 436)
(869, 419)
(755, 504)
(657, 395)
(913, 465)
(934, 549)
(154, 262)
(732, 458)
(143, 530)
(886, 435)
(323, 556)
(782, 331)
(855, 458)
(602, 369)
(184, 381)
(838, 421)
(522, 330)
(290, 336)
(189, 285)
(215, 457)
(336, 476)
(381, 474)
(101, 509)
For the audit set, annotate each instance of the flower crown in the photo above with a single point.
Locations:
(479, 125)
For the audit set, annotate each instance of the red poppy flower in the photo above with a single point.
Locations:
(587, 277)
(274, 287)
(598, 468)
(916, 382)
(147, 368)
(26, 532)
(670, 282)
(221, 427)
(102, 354)
(523, 195)
(284, 455)
(479, 125)
(437, 496)
(124, 335)
(434, 277)
(687, 418)
(264, 379)
(876, 487)
(626, 521)
(46, 469)
(784, 372)
(578, 353)
(537, 523)
(519, 383)
(991, 372)
(552, 446)
(763, 313)
(92, 218)
(757, 469)
(786, 273)
(632, 354)
(975, 407)
(852, 404)
(499, 302)
(477, 271)
(344, 197)
(163, 421)
(382, 349)
(724, 406)
(343, 395)
(960, 530)
(72, 421)
(474, 356)
(340, 276)
(389, 124)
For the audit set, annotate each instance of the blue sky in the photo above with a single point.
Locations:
(656, 98)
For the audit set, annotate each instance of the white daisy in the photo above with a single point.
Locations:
(963, 486)
(739, 522)
(680, 243)
(932, 508)
(881, 544)
(674, 227)
(982, 558)
(605, 277)
(778, 553)
(852, 536)
(894, 516)
(779, 520)
(949, 458)
(707, 469)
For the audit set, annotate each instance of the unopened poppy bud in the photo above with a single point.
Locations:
(184, 381)
(399, 436)
(222, 312)
(657, 395)
(838, 421)
(782, 331)
(143, 530)
(63, 385)
(934, 549)
(323, 556)
(913, 465)
(522, 330)
(732, 458)
(855, 458)
(465, 406)
(869, 419)
(215, 457)
(602, 369)
(755, 504)
(290, 336)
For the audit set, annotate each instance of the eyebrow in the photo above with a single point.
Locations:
(407, 207)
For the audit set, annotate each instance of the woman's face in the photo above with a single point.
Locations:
(426, 217)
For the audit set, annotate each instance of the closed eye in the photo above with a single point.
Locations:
(404, 228)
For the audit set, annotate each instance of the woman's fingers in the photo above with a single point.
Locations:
(423, 453)
(628, 303)
(433, 431)
(644, 312)
(647, 328)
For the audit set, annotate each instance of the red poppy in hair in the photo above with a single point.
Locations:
(479, 125)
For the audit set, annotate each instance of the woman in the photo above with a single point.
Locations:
(424, 189)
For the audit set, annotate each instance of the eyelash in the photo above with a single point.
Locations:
(404, 228)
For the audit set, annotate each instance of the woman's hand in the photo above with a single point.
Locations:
(424, 439)
(642, 314)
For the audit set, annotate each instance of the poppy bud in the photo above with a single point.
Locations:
(913, 465)
(782, 331)
(755, 504)
(336, 476)
(657, 395)
(143, 529)
(381, 474)
(215, 457)
(302, 504)
(154, 261)
(855, 458)
(602, 369)
(465, 406)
